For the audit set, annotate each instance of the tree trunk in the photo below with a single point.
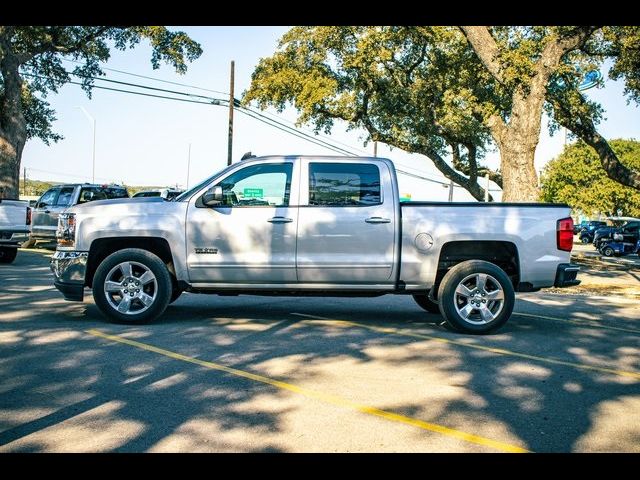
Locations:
(13, 124)
(519, 179)
(10, 168)
(517, 143)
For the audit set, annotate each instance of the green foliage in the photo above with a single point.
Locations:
(576, 177)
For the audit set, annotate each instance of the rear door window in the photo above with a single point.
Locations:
(90, 194)
(344, 184)
(111, 192)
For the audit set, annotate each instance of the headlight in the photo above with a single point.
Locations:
(66, 232)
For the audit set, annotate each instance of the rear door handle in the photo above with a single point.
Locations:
(280, 220)
(377, 220)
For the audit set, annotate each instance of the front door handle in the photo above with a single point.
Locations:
(377, 220)
(280, 220)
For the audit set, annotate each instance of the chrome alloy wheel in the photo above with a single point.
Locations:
(479, 298)
(130, 288)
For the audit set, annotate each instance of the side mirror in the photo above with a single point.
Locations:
(213, 196)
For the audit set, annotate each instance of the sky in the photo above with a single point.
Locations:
(145, 141)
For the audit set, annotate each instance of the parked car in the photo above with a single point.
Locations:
(166, 193)
(579, 226)
(315, 225)
(587, 231)
(629, 230)
(60, 197)
(15, 219)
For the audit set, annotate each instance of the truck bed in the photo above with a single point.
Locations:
(529, 227)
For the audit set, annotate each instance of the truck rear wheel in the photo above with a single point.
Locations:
(8, 254)
(476, 297)
(132, 286)
(427, 304)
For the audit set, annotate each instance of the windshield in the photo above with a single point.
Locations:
(186, 195)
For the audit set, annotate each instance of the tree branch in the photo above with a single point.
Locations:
(486, 49)
(54, 44)
(582, 125)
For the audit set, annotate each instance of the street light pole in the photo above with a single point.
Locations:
(93, 156)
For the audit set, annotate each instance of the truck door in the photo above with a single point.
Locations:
(43, 215)
(347, 223)
(251, 236)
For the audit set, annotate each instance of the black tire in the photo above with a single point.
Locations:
(426, 303)
(497, 311)
(8, 254)
(608, 252)
(135, 310)
(585, 240)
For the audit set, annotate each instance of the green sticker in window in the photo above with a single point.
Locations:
(253, 193)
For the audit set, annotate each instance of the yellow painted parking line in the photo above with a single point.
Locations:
(582, 323)
(323, 397)
(500, 351)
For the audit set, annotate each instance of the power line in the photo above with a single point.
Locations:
(278, 124)
(296, 134)
(211, 102)
(153, 78)
(175, 92)
(205, 90)
(293, 131)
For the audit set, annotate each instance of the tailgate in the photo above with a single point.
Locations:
(13, 216)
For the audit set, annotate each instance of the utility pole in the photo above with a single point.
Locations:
(188, 165)
(24, 181)
(486, 189)
(450, 190)
(231, 100)
(375, 148)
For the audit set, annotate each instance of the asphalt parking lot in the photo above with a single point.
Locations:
(261, 374)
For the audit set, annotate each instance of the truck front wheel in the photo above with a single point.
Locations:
(8, 254)
(132, 286)
(476, 297)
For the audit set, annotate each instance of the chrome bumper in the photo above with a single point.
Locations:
(69, 269)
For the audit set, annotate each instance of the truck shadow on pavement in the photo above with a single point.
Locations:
(66, 390)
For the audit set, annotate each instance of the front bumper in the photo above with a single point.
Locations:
(566, 274)
(69, 269)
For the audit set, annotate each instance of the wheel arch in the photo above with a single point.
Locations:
(101, 248)
(501, 253)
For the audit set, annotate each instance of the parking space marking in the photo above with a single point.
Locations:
(500, 351)
(582, 323)
(323, 397)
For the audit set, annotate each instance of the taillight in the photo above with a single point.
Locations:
(28, 215)
(564, 234)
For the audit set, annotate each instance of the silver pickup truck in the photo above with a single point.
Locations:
(312, 225)
(15, 221)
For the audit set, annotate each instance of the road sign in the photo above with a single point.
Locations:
(253, 193)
